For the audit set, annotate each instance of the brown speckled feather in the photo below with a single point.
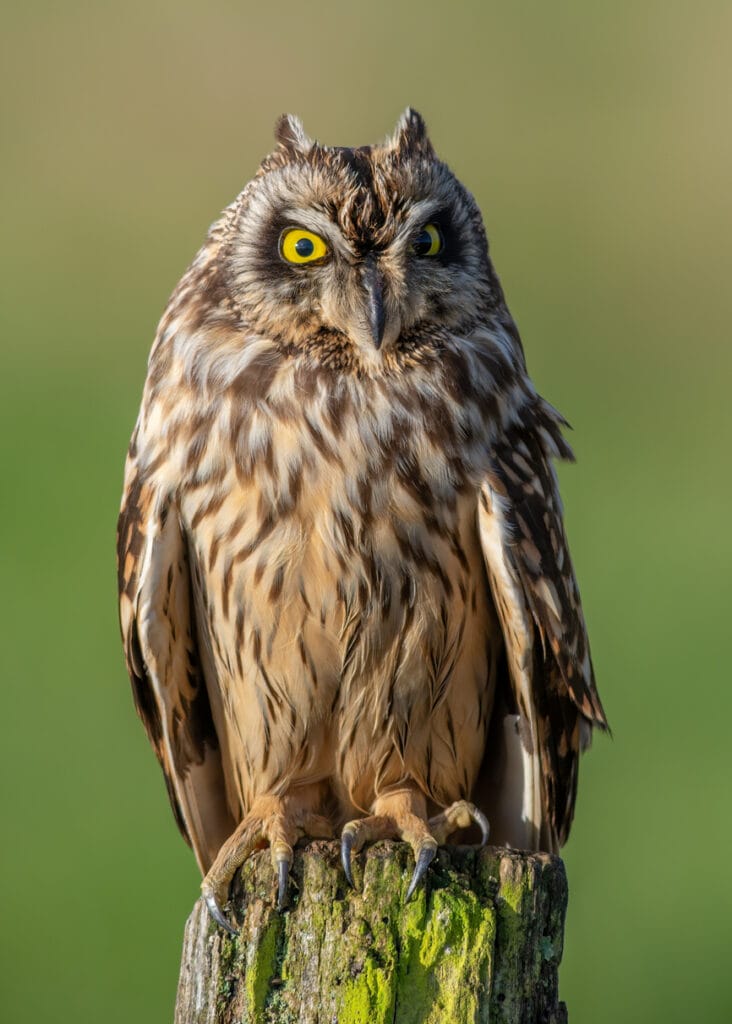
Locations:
(161, 650)
(538, 602)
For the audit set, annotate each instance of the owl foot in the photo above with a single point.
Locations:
(277, 821)
(369, 830)
(461, 814)
(403, 815)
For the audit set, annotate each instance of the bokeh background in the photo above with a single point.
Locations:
(597, 140)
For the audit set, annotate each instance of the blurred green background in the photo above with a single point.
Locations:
(597, 140)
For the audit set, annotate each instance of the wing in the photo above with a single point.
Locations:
(161, 650)
(545, 714)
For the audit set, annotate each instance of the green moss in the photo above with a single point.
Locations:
(456, 952)
(446, 958)
(368, 998)
(262, 968)
(513, 891)
(514, 896)
(227, 970)
(424, 962)
(519, 940)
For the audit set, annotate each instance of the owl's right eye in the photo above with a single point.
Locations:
(428, 242)
(300, 246)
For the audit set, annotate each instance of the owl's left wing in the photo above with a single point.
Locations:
(157, 619)
(551, 702)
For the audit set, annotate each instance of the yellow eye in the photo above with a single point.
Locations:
(300, 246)
(428, 242)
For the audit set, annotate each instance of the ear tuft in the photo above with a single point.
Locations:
(410, 135)
(290, 134)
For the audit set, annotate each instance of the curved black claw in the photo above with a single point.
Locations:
(217, 913)
(482, 822)
(346, 847)
(283, 874)
(425, 858)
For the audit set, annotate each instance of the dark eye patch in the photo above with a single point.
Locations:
(268, 245)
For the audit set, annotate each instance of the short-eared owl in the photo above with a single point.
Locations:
(346, 597)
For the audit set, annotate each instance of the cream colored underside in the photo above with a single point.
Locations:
(314, 682)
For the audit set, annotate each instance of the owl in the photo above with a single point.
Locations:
(346, 597)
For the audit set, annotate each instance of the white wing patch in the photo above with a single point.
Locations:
(522, 826)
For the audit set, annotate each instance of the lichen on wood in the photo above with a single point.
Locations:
(481, 942)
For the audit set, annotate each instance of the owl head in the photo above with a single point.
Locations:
(357, 255)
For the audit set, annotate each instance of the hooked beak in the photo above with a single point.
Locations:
(373, 283)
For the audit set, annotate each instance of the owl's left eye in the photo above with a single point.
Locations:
(428, 242)
(300, 246)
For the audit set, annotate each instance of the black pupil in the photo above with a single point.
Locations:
(422, 243)
(304, 247)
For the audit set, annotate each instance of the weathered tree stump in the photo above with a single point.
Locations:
(481, 942)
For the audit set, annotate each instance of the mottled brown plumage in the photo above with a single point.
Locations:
(345, 587)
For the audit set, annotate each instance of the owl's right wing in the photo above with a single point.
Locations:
(545, 715)
(161, 650)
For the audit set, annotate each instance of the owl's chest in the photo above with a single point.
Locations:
(331, 510)
(371, 452)
(332, 598)
(376, 474)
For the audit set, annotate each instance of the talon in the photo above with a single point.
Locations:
(216, 912)
(346, 847)
(425, 858)
(283, 874)
(281, 862)
(481, 821)
(461, 814)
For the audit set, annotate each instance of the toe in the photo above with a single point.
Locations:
(215, 886)
(461, 814)
(424, 855)
(215, 910)
(282, 861)
(360, 831)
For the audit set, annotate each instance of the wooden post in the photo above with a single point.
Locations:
(481, 942)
